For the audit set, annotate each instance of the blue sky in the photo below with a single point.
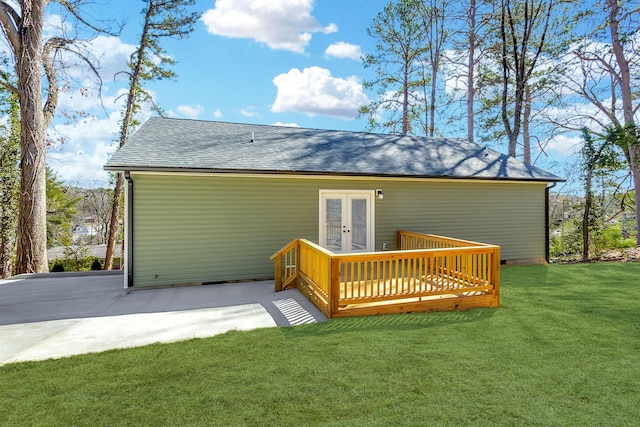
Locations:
(285, 62)
(292, 62)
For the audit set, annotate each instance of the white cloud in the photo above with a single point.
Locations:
(217, 114)
(289, 125)
(84, 169)
(280, 24)
(314, 91)
(86, 148)
(344, 50)
(189, 111)
(565, 145)
(248, 112)
(88, 129)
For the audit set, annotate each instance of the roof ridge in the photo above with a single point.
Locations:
(224, 122)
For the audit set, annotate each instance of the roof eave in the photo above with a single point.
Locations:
(117, 168)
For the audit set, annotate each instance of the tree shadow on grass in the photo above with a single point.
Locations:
(390, 322)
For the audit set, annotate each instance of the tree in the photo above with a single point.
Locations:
(162, 19)
(600, 74)
(472, 24)
(598, 157)
(523, 30)
(22, 25)
(61, 208)
(400, 48)
(519, 68)
(95, 206)
(23, 31)
(473, 40)
(434, 23)
(9, 180)
(630, 141)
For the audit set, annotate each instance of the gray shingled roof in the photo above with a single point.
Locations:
(163, 144)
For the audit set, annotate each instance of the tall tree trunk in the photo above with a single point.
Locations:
(520, 53)
(134, 81)
(526, 117)
(471, 68)
(627, 104)
(432, 106)
(508, 41)
(434, 60)
(586, 215)
(113, 225)
(405, 103)
(31, 248)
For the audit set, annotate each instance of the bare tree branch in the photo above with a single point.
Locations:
(10, 22)
(51, 103)
(72, 8)
(9, 86)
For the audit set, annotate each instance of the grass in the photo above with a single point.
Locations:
(563, 349)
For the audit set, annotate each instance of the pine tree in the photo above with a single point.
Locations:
(400, 48)
(162, 18)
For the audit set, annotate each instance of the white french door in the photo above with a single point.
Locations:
(347, 221)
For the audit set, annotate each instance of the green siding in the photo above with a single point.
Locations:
(194, 229)
(506, 214)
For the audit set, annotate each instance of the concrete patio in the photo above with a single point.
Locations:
(58, 315)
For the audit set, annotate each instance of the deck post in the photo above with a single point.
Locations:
(296, 267)
(496, 275)
(334, 285)
(278, 273)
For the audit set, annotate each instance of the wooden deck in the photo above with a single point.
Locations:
(428, 273)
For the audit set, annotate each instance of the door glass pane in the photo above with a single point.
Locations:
(358, 224)
(333, 221)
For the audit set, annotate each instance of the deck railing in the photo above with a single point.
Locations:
(408, 240)
(428, 272)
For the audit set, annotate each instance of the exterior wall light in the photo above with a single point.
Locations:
(380, 194)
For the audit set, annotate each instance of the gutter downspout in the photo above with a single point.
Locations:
(129, 230)
(546, 219)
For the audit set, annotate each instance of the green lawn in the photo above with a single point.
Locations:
(563, 349)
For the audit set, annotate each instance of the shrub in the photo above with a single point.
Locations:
(58, 267)
(566, 241)
(96, 264)
(614, 239)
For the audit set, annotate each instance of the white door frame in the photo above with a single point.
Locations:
(347, 196)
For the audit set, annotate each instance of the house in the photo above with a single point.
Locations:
(211, 201)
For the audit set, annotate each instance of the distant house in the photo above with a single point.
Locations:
(85, 231)
(211, 201)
